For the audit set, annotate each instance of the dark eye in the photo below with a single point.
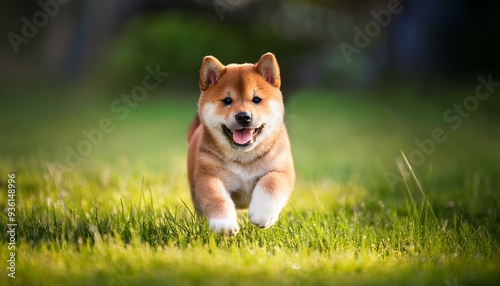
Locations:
(227, 101)
(256, 100)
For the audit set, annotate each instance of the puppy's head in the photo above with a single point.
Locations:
(241, 105)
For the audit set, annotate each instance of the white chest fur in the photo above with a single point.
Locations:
(241, 182)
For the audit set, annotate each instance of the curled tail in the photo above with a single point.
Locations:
(192, 128)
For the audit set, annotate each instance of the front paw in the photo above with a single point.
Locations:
(263, 218)
(264, 209)
(225, 226)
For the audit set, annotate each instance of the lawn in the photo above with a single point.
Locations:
(360, 213)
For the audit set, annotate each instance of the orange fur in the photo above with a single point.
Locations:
(224, 175)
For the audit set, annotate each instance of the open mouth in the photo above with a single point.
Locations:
(241, 137)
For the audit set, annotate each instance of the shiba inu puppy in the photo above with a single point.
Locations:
(239, 152)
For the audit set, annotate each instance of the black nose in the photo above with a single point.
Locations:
(243, 118)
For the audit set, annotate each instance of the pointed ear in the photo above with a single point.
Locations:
(268, 68)
(210, 72)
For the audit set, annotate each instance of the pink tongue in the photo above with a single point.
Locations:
(242, 136)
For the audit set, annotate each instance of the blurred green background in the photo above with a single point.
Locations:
(361, 80)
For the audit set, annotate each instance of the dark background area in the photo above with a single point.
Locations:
(110, 42)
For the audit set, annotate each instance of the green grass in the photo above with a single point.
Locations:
(124, 216)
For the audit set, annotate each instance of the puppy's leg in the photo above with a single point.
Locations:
(268, 198)
(214, 202)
